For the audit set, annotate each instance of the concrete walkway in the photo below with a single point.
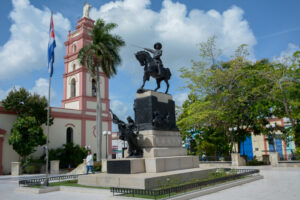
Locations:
(278, 184)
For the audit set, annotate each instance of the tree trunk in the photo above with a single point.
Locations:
(99, 118)
(286, 108)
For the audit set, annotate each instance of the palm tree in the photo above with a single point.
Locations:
(102, 53)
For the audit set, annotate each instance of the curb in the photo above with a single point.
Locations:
(37, 190)
(214, 189)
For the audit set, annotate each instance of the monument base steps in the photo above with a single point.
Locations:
(163, 164)
(149, 165)
(164, 152)
(144, 180)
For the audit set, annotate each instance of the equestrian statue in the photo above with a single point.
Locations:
(153, 66)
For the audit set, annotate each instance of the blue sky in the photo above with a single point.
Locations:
(270, 27)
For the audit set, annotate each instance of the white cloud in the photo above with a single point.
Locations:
(287, 53)
(120, 109)
(26, 49)
(41, 87)
(4, 93)
(179, 98)
(178, 29)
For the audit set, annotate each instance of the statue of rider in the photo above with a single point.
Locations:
(157, 53)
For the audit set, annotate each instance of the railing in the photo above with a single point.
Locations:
(39, 181)
(168, 191)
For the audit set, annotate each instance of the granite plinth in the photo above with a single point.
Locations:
(157, 138)
(154, 111)
(125, 166)
(164, 152)
(164, 164)
(143, 180)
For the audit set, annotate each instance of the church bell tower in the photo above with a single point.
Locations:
(79, 87)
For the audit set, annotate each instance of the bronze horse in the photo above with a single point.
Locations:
(151, 69)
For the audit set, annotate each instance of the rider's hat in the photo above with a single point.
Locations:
(157, 45)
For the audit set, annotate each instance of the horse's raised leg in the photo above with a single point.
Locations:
(158, 84)
(167, 82)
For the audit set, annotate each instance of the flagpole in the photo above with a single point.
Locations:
(48, 111)
(47, 137)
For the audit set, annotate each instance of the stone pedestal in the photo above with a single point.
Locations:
(156, 143)
(145, 181)
(237, 160)
(155, 111)
(158, 137)
(15, 168)
(274, 158)
(126, 166)
(164, 164)
(54, 167)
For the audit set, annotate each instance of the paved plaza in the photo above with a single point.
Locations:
(278, 184)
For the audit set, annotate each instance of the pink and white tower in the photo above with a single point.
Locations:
(79, 87)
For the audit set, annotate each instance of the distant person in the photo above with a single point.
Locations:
(203, 157)
(89, 163)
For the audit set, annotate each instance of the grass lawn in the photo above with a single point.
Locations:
(171, 183)
(73, 183)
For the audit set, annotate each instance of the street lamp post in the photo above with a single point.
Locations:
(106, 134)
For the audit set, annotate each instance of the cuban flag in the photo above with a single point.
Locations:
(51, 46)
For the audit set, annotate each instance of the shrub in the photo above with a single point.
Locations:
(254, 162)
(32, 169)
(70, 155)
(32, 165)
(297, 153)
(97, 166)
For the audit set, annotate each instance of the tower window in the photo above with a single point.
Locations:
(74, 48)
(69, 135)
(74, 67)
(94, 88)
(73, 87)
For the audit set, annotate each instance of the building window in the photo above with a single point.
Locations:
(94, 88)
(74, 67)
(73, 87)
(74, 48)
(69, 136)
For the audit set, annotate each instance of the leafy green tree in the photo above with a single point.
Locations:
(16, 101)
(284, 76)
(26, 134)
(31, 112)
(213, 142)
(228, 94)
(26, 104)
(101, 54)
